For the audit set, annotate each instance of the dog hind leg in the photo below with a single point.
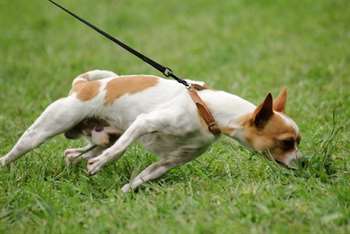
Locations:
(57, 118)
(154, 171)
(73, 156)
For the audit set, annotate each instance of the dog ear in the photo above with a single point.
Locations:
(263, 112)
(279, 104)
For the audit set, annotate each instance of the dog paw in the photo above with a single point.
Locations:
(71, 161)
(95, 164)
(126, 188)
(3, 161)
(71, 156)
(71, 153)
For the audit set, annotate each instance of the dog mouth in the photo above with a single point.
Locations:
(292, 165)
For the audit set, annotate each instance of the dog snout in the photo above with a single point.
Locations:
(291, 160)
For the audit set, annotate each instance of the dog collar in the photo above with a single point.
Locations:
(203, 109)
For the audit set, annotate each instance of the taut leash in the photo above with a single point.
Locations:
(201, 106)
(163, 69)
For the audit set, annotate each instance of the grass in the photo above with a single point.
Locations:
(244, 47)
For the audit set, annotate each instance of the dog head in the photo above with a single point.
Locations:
(269, 130)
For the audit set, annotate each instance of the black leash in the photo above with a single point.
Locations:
(165, 70)
(87, 150)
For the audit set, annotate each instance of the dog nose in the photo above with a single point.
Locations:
(293, 164)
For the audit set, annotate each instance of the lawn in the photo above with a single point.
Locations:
(247, 47)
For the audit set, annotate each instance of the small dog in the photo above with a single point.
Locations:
(113, 112)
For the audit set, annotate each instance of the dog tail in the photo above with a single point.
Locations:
(198, 83)
(94, 75)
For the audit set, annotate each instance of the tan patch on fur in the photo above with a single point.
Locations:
(78, 81)
(128, 84)
(265, 138)
(86, 90)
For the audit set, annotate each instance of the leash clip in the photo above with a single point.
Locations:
(168, 72)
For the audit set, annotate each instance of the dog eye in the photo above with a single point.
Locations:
(288, 144)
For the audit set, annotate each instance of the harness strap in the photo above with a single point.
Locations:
(203, 109)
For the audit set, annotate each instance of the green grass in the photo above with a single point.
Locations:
(242, 46)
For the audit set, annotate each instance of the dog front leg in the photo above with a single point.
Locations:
(153, 171)
(144, 124)
(57, 118)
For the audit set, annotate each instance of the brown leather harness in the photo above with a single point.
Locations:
(203, 109)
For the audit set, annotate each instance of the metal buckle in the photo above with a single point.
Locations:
(213, 128)
(167, 72)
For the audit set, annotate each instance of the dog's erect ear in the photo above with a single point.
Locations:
(279, 104)
(263, 112)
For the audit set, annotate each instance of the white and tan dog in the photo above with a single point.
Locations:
(160, 114)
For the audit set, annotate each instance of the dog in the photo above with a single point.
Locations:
(161, 114)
